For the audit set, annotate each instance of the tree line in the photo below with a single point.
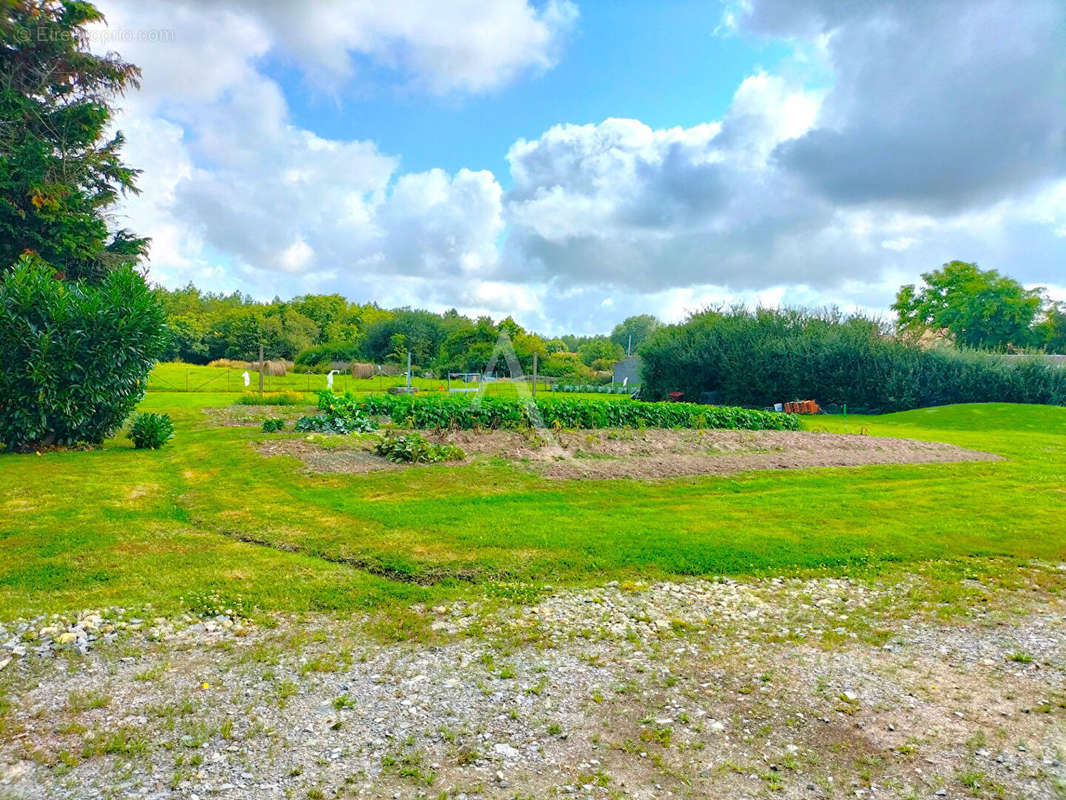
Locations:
(957, 305)
(315, 331)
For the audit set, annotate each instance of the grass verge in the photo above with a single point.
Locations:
(208, 516)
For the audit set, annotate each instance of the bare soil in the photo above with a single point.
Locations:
(646, 454)
(355, 457)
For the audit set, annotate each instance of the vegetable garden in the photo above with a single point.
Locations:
(555, 412)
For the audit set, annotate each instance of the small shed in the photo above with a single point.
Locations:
(628, 371)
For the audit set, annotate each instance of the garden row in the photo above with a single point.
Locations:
(592, 388)
(501, 412)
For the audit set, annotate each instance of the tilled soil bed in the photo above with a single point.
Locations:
(647, 454)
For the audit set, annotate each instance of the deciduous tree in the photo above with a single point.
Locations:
(978, 308)
(631, 332)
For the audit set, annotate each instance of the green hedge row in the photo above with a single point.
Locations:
(500, 412)
(762, 357)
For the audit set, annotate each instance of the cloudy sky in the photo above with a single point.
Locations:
(572, 162)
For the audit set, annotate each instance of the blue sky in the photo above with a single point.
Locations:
(573, 162)
(661, 63)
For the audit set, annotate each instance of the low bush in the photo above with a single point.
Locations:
(560, 412)
(272, 399)
(412, 448)
(273, 424)
(74, 356)
(150, 431)
(336, 423)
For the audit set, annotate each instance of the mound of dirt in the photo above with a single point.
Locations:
(646, 454)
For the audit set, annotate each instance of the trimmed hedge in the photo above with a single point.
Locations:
(501, 412)
(762, 357)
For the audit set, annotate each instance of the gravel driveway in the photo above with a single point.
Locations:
(780, 688)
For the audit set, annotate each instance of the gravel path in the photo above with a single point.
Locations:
(771, 688)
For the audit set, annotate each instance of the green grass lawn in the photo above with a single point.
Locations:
(207, 515)
(179, 377)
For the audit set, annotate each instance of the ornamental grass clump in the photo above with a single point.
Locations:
(150, 431)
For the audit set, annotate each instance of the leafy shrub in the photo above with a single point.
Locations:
(564, 412)
(272, 399)
(321, 357)
(566, 366)
(332, 423)
(413, 448)
(761, 357)
(150, 431)
(273, 424)
(74, 356)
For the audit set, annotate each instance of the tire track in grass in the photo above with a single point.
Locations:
(420, 576)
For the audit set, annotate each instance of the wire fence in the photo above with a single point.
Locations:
(175, 378)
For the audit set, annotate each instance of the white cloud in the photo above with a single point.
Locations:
(938, 104)
(622, 203)
(226, 173)
(900, 244)
(438, 225)
(297, 257)
(919, 148)
(441, 47)
(923, 149)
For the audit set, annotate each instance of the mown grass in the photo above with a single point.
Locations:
(179, 377)
(207, 515)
